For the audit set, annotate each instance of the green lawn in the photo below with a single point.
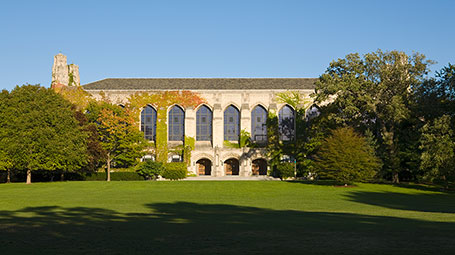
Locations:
(224, 218)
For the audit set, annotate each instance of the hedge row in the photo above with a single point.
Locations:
(48, 176)
(115, 176)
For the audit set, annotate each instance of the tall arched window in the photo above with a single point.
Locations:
(204, 124)
(148, 123)
(286, 123)
(231, 124)
(312, 112)
(176, 122)
(258, 124)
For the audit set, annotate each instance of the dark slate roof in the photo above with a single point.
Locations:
(201, 83)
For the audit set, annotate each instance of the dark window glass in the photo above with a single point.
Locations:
(204, 124)
(286, 123)
(313, 112)
(258, 124)
(176, 124)
(231, 124)
(148, 123)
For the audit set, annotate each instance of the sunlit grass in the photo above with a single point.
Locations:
(224, 217)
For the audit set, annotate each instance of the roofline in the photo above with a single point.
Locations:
(204, 78)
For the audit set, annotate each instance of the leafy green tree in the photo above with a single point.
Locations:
(346, 156)
(434, 109)
(438, 145)
(119, 135)
(435, 97)
(44, 135)
(5, 139)
(95, 152)
(373, 93)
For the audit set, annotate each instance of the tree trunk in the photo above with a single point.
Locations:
(394, 161)
(29, 176)
(395, 178)
(108, 173)
(8, 175)
(62, 176)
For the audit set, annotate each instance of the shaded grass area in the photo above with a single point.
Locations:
(223, 218)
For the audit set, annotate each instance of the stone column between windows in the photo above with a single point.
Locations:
(190, 130)
(245, 124)
(217, 139)
(217, 126)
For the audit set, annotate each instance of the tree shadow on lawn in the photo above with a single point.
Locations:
(316, 182)
(438, 202)
(191, 228)
(424, 187)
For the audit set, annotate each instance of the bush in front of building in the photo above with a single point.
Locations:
(346, 156)
(175, 171)
(285, 170)
(149, 169)
(50, 176)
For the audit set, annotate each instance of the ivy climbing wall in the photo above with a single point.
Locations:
(162, 101)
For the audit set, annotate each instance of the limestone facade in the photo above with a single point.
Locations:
(215, 151)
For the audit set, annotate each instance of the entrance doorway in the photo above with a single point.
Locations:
(204, 166)
(259, 167)
(231, 166)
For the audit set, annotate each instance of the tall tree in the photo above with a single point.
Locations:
(95, 152)
(438, 144)
(435, 97)
(119, 135)
(435, 106)
(5, 138)
(373, 93)
(44, 133)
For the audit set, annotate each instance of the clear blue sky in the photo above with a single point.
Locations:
(213, 38)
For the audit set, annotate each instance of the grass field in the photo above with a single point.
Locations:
(224, 218)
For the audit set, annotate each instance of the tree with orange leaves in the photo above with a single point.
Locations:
(118, 134)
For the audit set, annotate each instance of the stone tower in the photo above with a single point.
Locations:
(64, 74)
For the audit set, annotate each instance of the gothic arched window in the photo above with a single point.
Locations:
(286, 123)
(231, 124)
(148, 123)
(204, 124)
(312, 112)
(176, 121)
(258, 124)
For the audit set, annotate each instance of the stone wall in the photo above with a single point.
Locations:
(64, 74)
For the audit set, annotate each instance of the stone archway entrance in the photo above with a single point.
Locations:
(204, 166)
(259, 167)
(231, 166)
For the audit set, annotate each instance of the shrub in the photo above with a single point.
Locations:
(174, 171)
(285, 170)
(346, 156)
(149, 169)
